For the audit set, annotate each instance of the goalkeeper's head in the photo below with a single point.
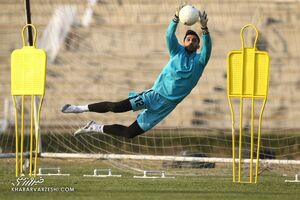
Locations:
(191, 41)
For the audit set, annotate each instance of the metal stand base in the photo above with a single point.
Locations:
(102, 175)
(50, 172)
(155, 174)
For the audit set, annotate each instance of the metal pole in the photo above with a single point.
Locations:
(28, 20)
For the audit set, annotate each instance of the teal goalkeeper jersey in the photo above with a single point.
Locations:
(183, 70)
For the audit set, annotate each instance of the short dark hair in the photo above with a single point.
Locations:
(191, 32)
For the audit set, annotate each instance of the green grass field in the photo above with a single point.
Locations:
(271, 185)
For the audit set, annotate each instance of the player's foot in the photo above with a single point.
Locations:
(90, 127)
(72, 109)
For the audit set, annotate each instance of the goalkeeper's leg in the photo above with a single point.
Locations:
(116, 107)
(119, 130)
(101, 107)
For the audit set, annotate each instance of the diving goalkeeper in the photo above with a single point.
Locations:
(175, 82)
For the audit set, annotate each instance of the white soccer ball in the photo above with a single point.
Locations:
(188, 15)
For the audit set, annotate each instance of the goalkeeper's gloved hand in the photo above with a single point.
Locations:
(203, 19)
(179, 8)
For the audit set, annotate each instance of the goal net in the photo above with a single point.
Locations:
(102, 50)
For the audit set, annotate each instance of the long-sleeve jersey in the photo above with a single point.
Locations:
(183, 71)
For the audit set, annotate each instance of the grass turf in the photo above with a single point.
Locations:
(271, 186)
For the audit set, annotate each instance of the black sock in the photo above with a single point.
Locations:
(116, 107)
(119, 130)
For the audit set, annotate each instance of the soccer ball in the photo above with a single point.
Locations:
(188, 15)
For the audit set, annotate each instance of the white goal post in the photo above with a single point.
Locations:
(162, 158)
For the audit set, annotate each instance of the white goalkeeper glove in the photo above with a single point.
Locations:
(203, 19)
(179, 8)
